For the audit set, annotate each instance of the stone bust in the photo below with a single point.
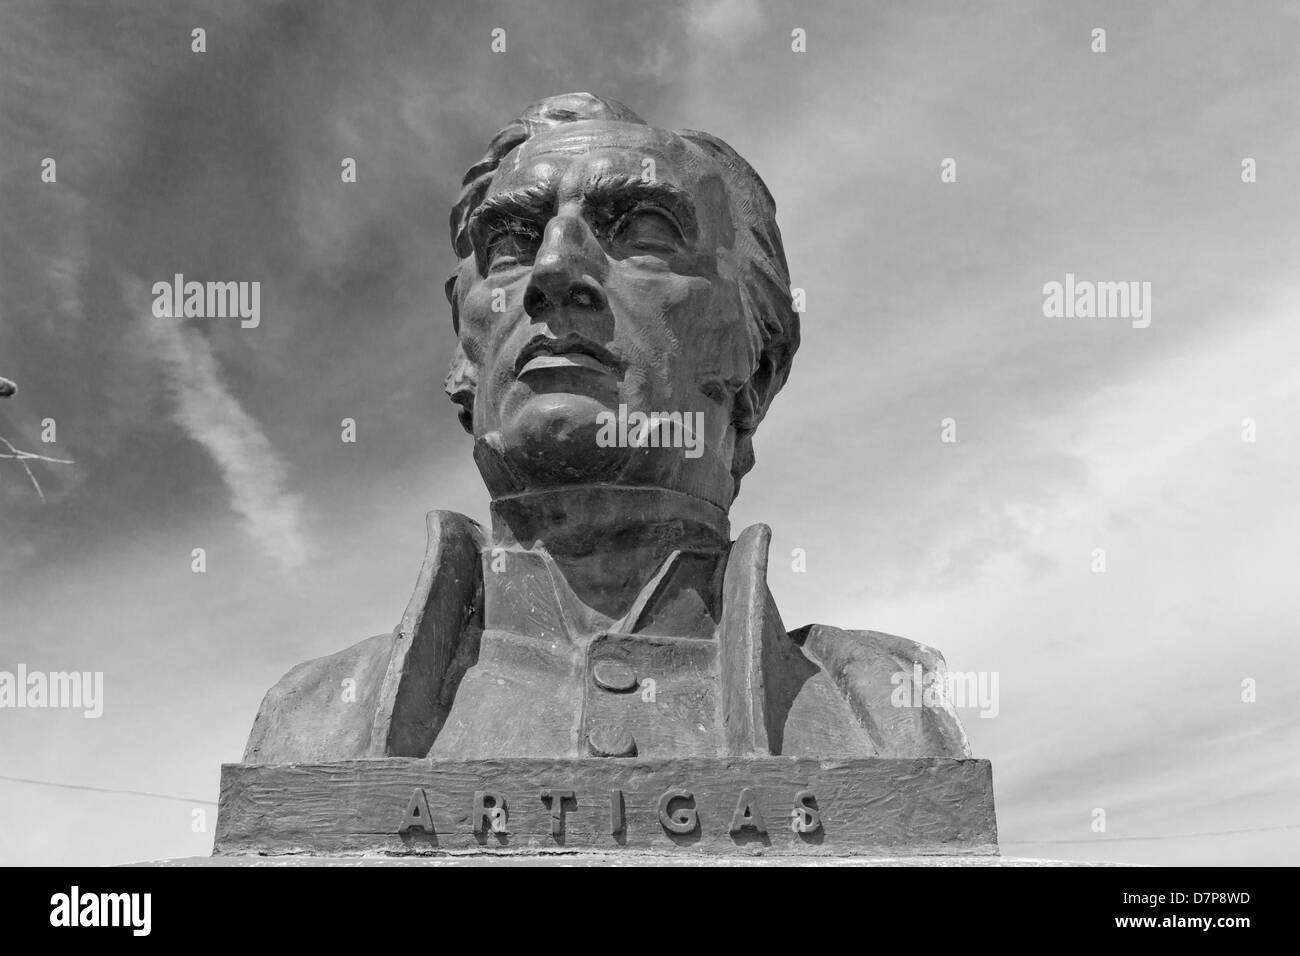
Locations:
(609, 270)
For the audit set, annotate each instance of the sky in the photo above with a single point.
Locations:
(1119, 691)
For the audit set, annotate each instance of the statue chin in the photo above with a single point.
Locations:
(552, 440)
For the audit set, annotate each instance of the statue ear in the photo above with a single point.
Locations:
(755, 395)
(462, 377)
(751, 404)
(461, 385)
(449, 288)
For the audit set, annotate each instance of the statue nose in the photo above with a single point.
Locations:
(568, 269)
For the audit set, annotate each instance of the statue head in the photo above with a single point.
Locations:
(622, 305)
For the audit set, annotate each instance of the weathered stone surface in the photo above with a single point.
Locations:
(570, 858)
(685, 805)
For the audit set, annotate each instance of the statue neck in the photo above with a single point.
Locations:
(608, 540)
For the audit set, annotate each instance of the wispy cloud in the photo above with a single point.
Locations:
(211, 414)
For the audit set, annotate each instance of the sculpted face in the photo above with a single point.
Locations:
(603, 274)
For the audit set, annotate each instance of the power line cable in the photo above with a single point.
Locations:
(130, 793)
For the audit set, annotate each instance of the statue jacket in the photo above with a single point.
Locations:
(495, 657)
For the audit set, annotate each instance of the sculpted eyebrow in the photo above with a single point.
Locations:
(532, 205)
(611, 194)
(616, 192)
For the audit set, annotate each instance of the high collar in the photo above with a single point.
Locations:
(604, 544)
(525, 592)
(583, 519)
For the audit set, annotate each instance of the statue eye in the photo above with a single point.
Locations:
(647, 229)
(515, 244)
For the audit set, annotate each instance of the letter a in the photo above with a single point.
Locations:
(748, 814)
(417, 816)
(1053, 301)
(162, 303)
(607, 435)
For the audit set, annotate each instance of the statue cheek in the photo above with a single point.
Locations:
(476, 312)
(685, 306)
(486, 321)
(731, 349)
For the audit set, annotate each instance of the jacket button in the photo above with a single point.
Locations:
(610, 740)
(614, 675)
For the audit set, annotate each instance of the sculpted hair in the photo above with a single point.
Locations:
(763, 276)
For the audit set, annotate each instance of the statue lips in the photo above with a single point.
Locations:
(568, 352)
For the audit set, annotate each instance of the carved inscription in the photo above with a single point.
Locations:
(677, 812)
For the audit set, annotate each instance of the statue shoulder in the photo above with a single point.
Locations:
(322, 709)
(382, 696)
(883, 677)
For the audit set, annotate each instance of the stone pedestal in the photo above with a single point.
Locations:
(611, 809)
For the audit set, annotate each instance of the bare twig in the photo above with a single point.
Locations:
(23, 457)
(8, 388)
